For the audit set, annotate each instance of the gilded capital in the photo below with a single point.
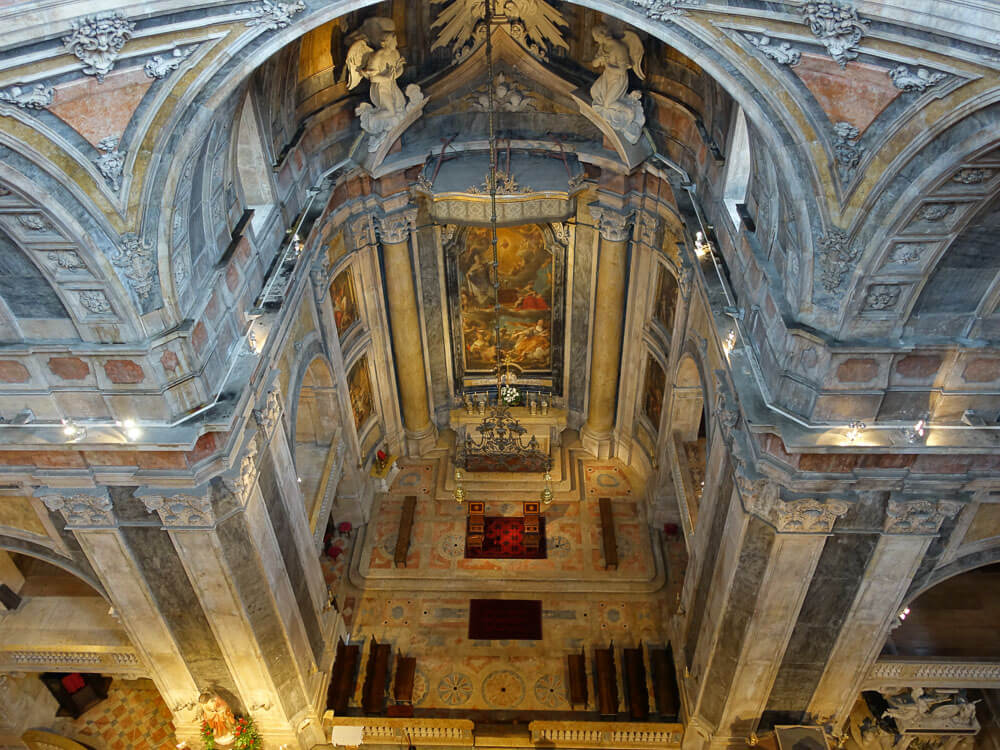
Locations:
(613, 225)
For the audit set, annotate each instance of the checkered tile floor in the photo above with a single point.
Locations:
(134, 717)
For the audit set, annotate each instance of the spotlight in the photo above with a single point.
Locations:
(854, 430)
(132, 430)
(73, 431)
(730, 342)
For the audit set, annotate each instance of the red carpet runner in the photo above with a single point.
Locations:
(504, 540)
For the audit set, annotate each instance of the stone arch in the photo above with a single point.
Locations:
(9, 543)
(316, 435)
(688, 401)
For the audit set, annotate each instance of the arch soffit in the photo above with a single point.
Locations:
(311, 355)
(24, 547)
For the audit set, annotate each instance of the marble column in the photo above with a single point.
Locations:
(404, 317)
(910, 527)
(609, 314)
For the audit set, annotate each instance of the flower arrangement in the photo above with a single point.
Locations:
(245, 735)
(509, 395)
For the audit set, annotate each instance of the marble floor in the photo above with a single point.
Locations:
(134, 717)
(423, 609)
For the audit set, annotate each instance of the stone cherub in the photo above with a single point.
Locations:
(381, 64)
(611, 98)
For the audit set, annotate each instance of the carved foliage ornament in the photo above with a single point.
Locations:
(272, 16)
(243, 482)
(612, 225)
(111, 162)
(665, 10)
(159, 66)
(97, 40)
(82, 509)
(38, 96)
(919, 80)
(845, 149)
(808, 515)
(67, 260)
(971, 176)
(135, 260)
(882, 296)
(836, 256)
(181, 510)
(394, 228)
(95, 301)
(918, 516)
(837, 26)
(781, 52)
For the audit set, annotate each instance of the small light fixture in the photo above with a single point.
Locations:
(73, 431)
(299, 480)
(132, 430)
(854, 430)
(904, 613)
(547, 489)
(459, 489)
(918, 430)
(701, 248)
(730, 342)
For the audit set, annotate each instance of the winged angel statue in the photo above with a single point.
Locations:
(381, 66)
(611, 98)
(533, 23)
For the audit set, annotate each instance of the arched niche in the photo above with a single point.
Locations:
(316, 438)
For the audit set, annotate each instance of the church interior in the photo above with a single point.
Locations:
(500, 374)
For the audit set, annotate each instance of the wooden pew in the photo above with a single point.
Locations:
(606, 682)
(577, 679)
(405, 529)
(608, 535)
(376, 678)
(345, 668)
(635, 679)
(406, 670)
(665, 691)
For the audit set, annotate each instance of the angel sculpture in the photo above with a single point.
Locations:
(611, 98)
(381, 67)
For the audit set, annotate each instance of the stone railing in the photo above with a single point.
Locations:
(572, 734)
(929, 673)
(123, 661)
(384, 731)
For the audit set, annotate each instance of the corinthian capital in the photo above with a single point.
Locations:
(395, 227)
(613, 225)
(191, 508)
(808, 515)
(82, 509)
(918, 516)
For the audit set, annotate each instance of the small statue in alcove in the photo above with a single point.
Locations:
(611, 98)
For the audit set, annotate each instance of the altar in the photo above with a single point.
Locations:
(545, 429)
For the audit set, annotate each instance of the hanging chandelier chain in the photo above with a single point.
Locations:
(492, 182)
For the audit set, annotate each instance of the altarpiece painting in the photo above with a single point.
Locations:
(345, 306)
(652, 398)
(531, 295)
(359, 388)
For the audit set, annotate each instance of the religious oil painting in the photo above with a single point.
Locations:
(345, 306)
(359, 386)
(652, 399)
(666, 300)
(525, 295)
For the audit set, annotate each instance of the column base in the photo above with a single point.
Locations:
(421, 442)
(600, 444)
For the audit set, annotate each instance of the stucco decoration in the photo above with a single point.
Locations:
(533, 23)
(272, 16)
(612, 101)
(918, 516)
(66, 260)
(242, 481)
(160, 66)
(82, 508)
(181, 510)
(381, 65)
(846, 150)
(135, 260)
(665, 10)
(38, 96)
(836, 256)
(919, 80)
(97, 41)
(111, 162)
(94, 301)
(269, 414)
(781, 52)
(508, 96)
(927, 710)
(837, 26)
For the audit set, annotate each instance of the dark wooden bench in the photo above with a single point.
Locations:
(376, 678)
(606, 682)
(635, 679)
(406, 670)
(665, 691)
(345, 667)
(577, 679)
(405, 529)
(608, 535)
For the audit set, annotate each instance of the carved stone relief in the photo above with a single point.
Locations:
(182, 509)
(918, 516)
(837, 26)
(935, 211)
(920, 80)
(781, 52)
(81, 509)
(160, 66)
(94, 301)
(665, 10)
(38, 96)
(272, 16)
(111, 162)
(846, 151)
(882, 296)
(836, 258)
(97, 41)
(135, 260)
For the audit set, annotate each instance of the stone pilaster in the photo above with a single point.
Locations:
(609, 313)
(910, 526)
(395, 231)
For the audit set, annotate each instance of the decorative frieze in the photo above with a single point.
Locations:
(38, 96)
(81, 508)
(837, 26)
(395, 228)
(97, 41)
(918, 516)
(612, 225)
(781, 52)
(919, 80)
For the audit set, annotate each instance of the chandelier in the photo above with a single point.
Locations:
(501, 445)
